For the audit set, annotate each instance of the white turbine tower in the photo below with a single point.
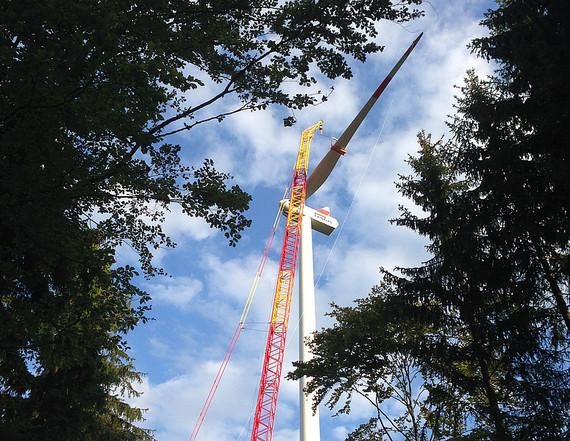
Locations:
(321, 221)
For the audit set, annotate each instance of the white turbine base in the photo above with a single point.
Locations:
(309, 426)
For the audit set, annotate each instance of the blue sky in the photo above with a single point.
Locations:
(197, 307)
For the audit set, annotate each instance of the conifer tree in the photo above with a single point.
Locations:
(491, 305)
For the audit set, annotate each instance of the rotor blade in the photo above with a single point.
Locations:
(324, 168)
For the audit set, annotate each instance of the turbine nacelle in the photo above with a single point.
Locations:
(321, 220)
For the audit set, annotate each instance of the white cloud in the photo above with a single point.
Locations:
(286, 435)
(231, 281)
(174, 404)
(340, 433)
(180, 226)
(177, 291)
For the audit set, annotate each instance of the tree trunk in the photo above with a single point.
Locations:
(496, 414)
(561, 305)
(482, 357)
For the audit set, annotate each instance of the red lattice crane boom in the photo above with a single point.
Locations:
(264, 416)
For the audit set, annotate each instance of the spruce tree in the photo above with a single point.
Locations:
(492, 302)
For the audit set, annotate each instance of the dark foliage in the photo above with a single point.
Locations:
(88, 92)
(489, 311)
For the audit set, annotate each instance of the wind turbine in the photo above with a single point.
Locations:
(321, 221)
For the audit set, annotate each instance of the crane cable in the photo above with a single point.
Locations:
(240, 325)
(363, 174)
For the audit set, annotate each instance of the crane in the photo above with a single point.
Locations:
(264, 416)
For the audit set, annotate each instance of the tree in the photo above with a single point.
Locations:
(64, 365)
(496, 340)
(90, 91)
(493, 299)
(368, 353)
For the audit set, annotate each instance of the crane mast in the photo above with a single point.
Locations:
(264, 416)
